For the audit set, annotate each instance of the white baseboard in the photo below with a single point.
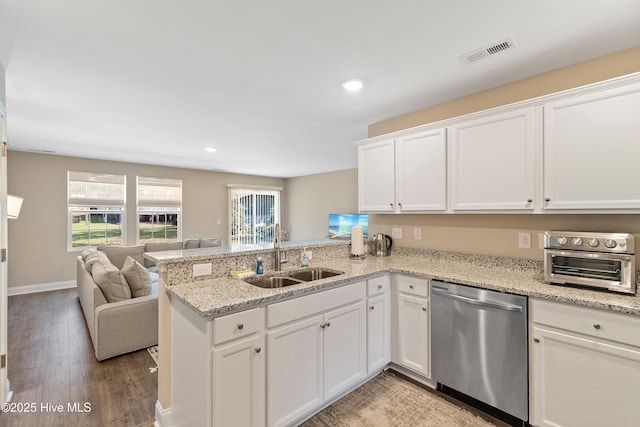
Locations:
(163, 416)
(40, 287)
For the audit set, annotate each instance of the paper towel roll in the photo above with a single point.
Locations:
(357, 240)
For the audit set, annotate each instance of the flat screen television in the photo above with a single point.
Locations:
(340, 224)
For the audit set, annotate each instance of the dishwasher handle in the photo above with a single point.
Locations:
(477, 302)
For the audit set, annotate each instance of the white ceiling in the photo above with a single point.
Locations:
(156, 81)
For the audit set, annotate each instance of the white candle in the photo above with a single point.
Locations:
(357, 240)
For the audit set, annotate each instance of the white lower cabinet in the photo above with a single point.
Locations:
(316, 350)
(584, 367)
(218, 368)
(378, 323)
(411, 324)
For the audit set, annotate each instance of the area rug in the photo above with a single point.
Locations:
(389, 401)
(153, 351)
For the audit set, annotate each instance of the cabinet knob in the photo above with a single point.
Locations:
(391, 204)
(379, 286)
(240, 326)
(258, 349)
(529, 200)
(328, 324)
(597, 326)
(324, 325)
(547, 199)
(400, 205)
(536, 340)
(371, 307)
(410, 286)
(424, 308)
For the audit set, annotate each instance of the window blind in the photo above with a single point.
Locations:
(253, 214)
(159, 192)
(95, 189)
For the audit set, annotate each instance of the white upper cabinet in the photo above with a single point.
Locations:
(591, 151)
(406, 174)
(376, 176)
(492, 161)
(421, 174)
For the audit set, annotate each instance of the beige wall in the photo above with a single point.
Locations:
(603, 68)
(3, 97)
(38, 239)
(498, 234)
(312, 198)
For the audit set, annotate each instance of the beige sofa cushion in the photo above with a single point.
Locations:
(192, 244)
(110, 281)
(210, 243)
(117, 254)
(93, 257)
(137, 276)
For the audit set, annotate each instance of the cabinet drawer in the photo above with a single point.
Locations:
(377, 285)
(413, 286)
(237, 325)
(587, 321)
(298, 308)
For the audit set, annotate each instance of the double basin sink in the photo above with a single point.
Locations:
(293, 278)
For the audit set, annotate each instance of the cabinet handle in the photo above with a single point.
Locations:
(424, 308)
(536, 340)
(379, 286)
(529, 200)
(597, 326)
(371, 307)
(240, 326)
(547, 199)
(258, 349)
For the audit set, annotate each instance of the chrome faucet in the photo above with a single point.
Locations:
(276, 246)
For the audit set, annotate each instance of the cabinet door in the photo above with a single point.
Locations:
(376, 177)
(378, 332)
(491, 163)
(421, 171)
(591, 151)
(239, 383)
(413, 333)
(581, 381)
(294, 370)
(344, 348)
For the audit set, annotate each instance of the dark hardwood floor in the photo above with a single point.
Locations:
(51, 361)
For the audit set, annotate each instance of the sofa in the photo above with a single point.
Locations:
(119, 321)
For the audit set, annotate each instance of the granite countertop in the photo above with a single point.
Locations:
(211, 298)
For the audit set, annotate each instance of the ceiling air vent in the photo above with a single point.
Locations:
(487, 51)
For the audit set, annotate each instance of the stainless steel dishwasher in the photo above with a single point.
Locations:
(479, 348)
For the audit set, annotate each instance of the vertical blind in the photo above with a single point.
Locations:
(95, 189)
(159, 192)
(253, 214)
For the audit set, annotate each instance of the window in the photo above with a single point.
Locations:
(253, 213)
(159, 206)
(96, 209)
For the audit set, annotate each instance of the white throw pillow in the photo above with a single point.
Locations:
(110, 281)
(137, 276)
(94, 257)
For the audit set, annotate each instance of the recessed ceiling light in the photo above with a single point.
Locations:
(352, 85)
(211, 149)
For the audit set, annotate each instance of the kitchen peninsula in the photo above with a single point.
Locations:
(245, 355)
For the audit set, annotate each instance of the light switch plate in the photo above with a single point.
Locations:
(396, 233)
(524, 240)
(202, 269)
(417, 233)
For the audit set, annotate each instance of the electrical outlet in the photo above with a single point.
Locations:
(524, 240)
(396, 233)
(202, 269)
(417, 233)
